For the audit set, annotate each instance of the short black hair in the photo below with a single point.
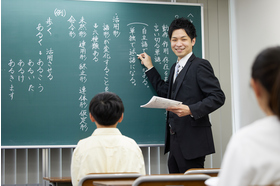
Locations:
(182, 23)
(106, 108)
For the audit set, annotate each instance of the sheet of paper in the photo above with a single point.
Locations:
(159, 102)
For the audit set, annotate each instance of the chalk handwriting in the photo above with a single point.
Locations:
(132, 54)
(106, 55)
(95, 43)
(58, 12)
(116, 26)
(34, 73)
(82, 76)
(72, 28)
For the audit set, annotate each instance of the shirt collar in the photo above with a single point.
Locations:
(106, 131)
(184, 60)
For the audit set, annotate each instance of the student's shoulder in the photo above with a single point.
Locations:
(250, 133)
(127, 141)
(129, 144)
(84, 140)
(261, 127)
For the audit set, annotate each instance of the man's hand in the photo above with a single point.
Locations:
(145, 60)
(181, 110)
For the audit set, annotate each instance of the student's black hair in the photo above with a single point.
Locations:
(182, 23)
(106, 108)
(266, 69)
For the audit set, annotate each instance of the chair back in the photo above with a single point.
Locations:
(88, 179)
(213, 172)
(164, 180)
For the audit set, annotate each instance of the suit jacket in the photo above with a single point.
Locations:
(196, 86)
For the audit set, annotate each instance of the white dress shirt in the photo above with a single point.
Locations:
(182, 63)
(253, 155)
(106, 151)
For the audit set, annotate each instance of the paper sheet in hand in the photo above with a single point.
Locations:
(159, 102)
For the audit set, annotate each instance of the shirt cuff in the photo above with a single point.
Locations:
(149, 69)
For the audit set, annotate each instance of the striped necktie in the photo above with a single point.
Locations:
(177, 70)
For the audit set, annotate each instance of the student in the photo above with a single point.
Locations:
(106, 150)
(252, 156)
(188, 129)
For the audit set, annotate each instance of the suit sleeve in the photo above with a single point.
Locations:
(213, 96)
(160, 86)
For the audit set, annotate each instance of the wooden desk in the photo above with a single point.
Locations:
(111, 178)
(59, 181)
(113, 183)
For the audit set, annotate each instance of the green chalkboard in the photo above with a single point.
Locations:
(57, 54)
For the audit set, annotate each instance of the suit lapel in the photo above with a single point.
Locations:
(182, 74)
(172, 70)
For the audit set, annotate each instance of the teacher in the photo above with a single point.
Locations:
(192, 81)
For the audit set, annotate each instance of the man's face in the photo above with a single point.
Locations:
(181, 43)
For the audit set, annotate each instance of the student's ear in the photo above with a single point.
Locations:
(256, 87)
(121, 118)
(91, 117)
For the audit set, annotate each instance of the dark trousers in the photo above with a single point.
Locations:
(176, 161)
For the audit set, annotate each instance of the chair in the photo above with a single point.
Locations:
(88, 179)
(164, 180)
(213, 172)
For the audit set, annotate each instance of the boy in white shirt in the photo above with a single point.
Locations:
(106, 150)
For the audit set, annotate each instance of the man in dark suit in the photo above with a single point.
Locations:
(192, 81)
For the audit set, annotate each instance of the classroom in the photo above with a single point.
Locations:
(230, 38)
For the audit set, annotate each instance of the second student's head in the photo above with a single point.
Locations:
(266, 72)
(106, 108)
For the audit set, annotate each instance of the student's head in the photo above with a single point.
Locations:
(266, 75)
(106, 108)
(182, 35)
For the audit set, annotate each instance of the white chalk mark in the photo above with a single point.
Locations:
(137, 23)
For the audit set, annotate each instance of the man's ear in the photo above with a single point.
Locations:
(121, 118)
(91, 117)
(193, 41)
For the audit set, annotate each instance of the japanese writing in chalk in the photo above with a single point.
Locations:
(132, 54)
(94, 41)
(144, 46)
(106, 55)
(116, 25)
(30, 73)
(83, 76)
(165, 51)
(72, 28)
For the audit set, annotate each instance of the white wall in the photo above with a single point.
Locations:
(255, 25)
